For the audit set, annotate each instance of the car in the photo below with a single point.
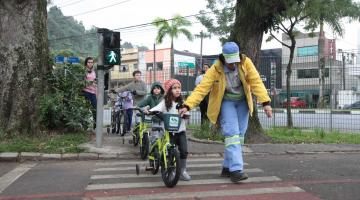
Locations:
(355, 105)
(295, 102)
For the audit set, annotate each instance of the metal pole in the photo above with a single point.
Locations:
(154, 64)
(331, 93)
(343, 62)
(100, 89)
(201, 47)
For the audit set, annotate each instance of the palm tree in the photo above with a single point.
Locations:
(173, 29)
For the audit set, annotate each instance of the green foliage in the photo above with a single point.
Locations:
(208, 132)
(59, 143)
(65, 107)
(297, 136)
(174, 29)
(61, 32)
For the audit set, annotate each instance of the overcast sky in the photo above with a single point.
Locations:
(124, 13)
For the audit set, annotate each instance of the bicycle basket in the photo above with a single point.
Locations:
(172, 122)
(148, 119)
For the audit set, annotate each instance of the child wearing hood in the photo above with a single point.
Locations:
(157, 94)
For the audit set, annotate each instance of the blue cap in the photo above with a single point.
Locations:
(231, 52)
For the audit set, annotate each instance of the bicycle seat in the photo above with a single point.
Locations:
(157, 129)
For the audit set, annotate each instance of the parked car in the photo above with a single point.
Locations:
(295, 102)
(355, 105)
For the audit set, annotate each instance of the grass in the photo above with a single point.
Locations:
(288, 136)
(297, 136)
(206, 132)
(60, 143)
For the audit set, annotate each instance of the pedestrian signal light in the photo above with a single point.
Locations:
(112, 54)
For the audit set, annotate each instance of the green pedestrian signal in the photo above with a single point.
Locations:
(112, 57)
(112, 54)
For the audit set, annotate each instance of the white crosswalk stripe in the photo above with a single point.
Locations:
(112, 175)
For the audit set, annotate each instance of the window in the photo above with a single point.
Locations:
(124, 68)
(307, 51)
(149, 66)
(135, 66)
(159, 66)
(310, 73)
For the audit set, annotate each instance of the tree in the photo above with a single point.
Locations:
(245, 23)
(64, 32)
(173, 30)
(24, 63)
(313, 13)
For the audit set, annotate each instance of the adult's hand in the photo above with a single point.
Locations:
(268, 111)
(182, 111)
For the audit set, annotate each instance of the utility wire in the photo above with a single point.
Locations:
(69, 4)
(126, 27)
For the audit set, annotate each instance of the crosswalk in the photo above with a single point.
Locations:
(120, 181)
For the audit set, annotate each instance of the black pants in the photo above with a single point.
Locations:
(181, 142)
(203, 110)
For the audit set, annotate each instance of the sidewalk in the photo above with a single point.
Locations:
(116, 147)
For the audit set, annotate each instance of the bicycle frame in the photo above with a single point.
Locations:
(162, 143)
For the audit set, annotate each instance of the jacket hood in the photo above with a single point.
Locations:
(159, 85)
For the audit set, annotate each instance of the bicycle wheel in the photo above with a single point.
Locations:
(144, 147)
(155, 164)
(171, 174)
(136, 135)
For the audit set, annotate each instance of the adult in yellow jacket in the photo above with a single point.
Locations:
(231, 82)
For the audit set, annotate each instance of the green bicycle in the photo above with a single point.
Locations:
(163, 151)
(141, 134)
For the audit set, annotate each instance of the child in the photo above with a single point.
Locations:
(168, 105)
(157, 94)
(127, 101)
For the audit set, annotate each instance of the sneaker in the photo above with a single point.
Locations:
(225, 172)
(185, 176)
(237, 176)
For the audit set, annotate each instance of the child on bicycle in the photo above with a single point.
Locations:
(157, 94)
(168, 105)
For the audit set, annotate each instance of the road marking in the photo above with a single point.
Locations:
(146, 162)
(8, 178)
(133, 167)
(192, 182)
(218, 193)
(148, 174)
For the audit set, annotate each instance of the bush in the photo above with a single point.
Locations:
(65, 107)
(209, 132)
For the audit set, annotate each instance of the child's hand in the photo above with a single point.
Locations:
(182, 111)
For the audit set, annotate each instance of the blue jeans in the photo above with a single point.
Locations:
(128, 119)
(92, 98)
(234, 117)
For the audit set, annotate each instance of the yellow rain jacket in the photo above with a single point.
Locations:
(214, 82)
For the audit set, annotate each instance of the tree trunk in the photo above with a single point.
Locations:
(249, 34)
(288, 83)
(321, 43)
(24, 62)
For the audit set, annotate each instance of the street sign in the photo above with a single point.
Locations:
(73, 60)
(59, 59)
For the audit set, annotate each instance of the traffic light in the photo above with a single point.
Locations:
(111, 48)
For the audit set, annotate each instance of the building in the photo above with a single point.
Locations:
(304, 80)
(122, 74)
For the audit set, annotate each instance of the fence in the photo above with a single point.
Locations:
(329, 101)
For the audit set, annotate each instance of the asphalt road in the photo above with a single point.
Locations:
(329, 176)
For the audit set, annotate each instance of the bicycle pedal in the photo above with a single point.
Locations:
(148, 168)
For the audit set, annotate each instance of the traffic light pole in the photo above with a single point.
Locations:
(100, 91)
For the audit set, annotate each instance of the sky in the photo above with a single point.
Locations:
(125, 13)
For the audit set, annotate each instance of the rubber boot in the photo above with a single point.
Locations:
(184, 176)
